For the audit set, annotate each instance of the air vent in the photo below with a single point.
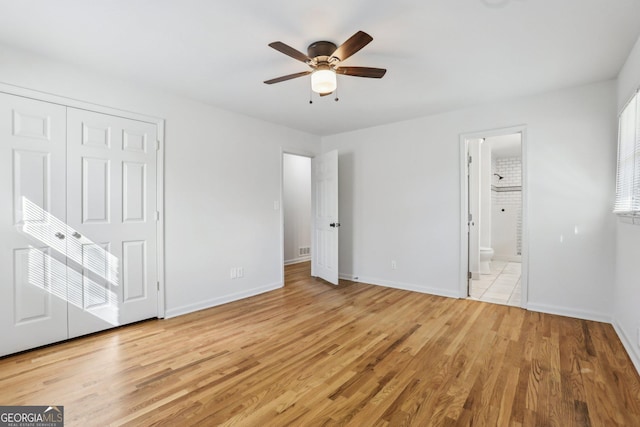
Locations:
(304, 251)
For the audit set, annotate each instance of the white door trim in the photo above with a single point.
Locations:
(159, 122)
(464, 244)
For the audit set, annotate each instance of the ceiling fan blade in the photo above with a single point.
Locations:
(374, 73)
(288, 50)
(287, 77)
(351, 46)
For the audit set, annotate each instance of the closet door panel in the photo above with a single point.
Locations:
(33, 290)
(96, 195)
(111, 190)
(138, 220)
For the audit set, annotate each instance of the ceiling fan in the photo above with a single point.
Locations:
(324, 58)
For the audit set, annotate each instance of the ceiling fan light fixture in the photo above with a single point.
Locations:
(325, 61)
(323, 80)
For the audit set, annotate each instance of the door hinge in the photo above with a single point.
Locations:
(469, 275)
(470, 217)
(158, 285)
(470, 160)
(157, 215)
(157, 144)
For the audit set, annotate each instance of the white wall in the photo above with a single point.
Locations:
(222, 176)
(400, 198)
(626, 309)
(296, 206)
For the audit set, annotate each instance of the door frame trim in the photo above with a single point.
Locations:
(160, 126)
(464, 243)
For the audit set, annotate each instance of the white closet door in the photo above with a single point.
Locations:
(33, 291)
(111, 197)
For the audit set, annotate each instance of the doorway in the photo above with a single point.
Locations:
(494, 216)
(310, 225)
(296, 213)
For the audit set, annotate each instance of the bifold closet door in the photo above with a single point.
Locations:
(77, 222)
(111, 214)
(33, 283)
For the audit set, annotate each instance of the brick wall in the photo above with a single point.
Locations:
(506, 193)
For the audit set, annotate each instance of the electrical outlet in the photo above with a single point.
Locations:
(237, 272)
(394, 265)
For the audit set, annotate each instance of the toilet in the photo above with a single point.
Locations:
(485, 258)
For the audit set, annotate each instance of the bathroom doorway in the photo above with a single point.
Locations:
(494, 217)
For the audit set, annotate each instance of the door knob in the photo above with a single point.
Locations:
(334, 224)
(77, 235)
(59, 235)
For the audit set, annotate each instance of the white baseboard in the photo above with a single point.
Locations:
(570, 312)
(450, 293)
(297, 260)
(632, 350)
(201, 305)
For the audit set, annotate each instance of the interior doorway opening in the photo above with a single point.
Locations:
(296, 213)
(494, 237)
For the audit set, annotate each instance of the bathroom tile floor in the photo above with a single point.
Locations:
(502, 286)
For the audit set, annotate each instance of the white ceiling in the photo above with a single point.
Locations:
(440, 54)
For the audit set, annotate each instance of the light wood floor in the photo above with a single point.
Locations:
(314, 354)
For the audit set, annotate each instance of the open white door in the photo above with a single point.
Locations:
(324, 189)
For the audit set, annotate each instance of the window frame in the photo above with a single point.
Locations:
(628, 168)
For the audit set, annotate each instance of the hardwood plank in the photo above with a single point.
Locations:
(355, 354)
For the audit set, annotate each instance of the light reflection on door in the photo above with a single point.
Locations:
(88, 280)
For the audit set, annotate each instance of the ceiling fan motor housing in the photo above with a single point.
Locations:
(321, 48)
